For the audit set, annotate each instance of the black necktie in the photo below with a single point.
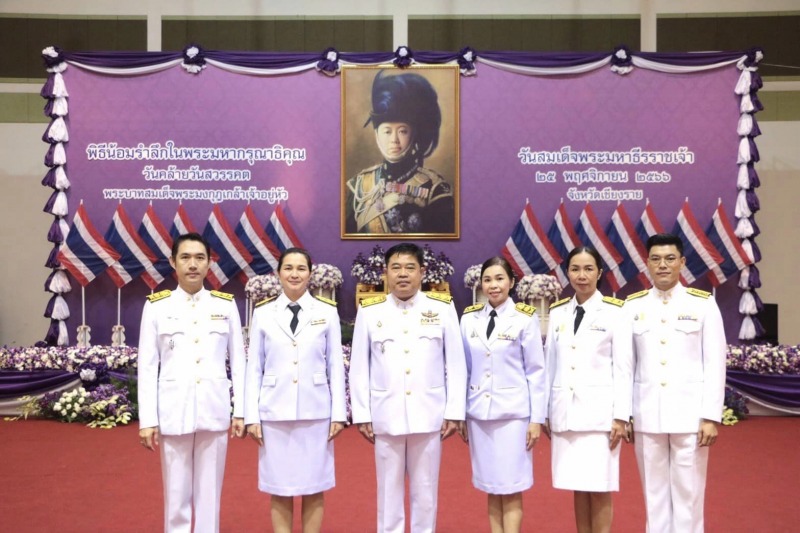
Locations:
(579, 311)
(294, 307)
(490, 327)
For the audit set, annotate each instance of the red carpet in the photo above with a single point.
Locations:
(67, 478)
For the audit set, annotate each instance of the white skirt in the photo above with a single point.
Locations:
(296, 458)
(582, 461)
(500, 462)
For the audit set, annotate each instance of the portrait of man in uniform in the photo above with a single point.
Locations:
(400, 153)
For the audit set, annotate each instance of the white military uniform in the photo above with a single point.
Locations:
(589, 386)
(184, 390)
(398, 383)
(291, 377)
(679, 380)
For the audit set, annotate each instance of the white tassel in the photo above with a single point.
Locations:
(744, 228)
(63, 334)
(60, 106)
(60, 283)
(62, 182)
(64, 227)
(742, 210)
(58, 131)
(60, 309)
(60, 206)
(746, 105)
(743, 179)
(59, 87)
(747, 304)
(748, 330)
(745, 125)
(748, 249)
(744, 278)
(743, 85)
(744, 151)
(59, 155)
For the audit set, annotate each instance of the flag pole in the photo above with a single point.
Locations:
(83, 330)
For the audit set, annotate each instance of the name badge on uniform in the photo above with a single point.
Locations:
(171, 344)
(687, 317)
(318, 321)
(429, 318)
(595, 327)
(506, 337)
(219, 317)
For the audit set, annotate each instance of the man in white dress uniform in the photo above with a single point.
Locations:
(678, 391)
(184, 392)
(403, 400)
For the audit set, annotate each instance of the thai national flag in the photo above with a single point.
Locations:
(181, 223)
(255, 239)
(591, 233)
(280, 232)
(622, 235)
(563, 238)
(722, 236)
(701, 256)
(135, 257)
(233, 256)
(158, 239)
(528, 249)
(85, 254)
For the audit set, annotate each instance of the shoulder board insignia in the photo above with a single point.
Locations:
(152, 298)
(325, 300)
(224, 295)
(559, 303)
(613, 301)
(525, 309)
(265, 301)
(366, 302)
(637, 295)
(476, 307)
(698, 293)
(446, 298)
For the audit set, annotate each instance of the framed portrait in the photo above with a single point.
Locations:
(400, 161)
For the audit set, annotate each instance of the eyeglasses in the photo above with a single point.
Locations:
(668, 260)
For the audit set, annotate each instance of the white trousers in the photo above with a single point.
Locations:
(417, 455)
(192, 468)
(672, 467)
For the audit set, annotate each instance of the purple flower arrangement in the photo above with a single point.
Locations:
(764, 358)
(369, 270)
(735, 407)
(264, 286)
(437, 267)
(106, 406)
(472, 277)
(324, 276)
(538, 286)
(69, 358)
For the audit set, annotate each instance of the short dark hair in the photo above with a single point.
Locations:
(665, 239)
(405, 248)
(191, 236)
(295, 250)
(501, 262)
(598, 261)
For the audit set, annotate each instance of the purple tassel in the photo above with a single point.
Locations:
(756, 251)
(52, 334)
(54, 235)
(49, 280)
(753, 150)
(48, 207)
(48, 312)
(756, 229)
(752, 200)
(403, 57)
(757, 299)
(757, 105)
(755, 182)
(48, 158)
(755, 277)
(48, 108)
(329, 61)
(755, 131)
(49, 179)
(47, 89)
(52, 259)
(756, 82)
(46, 135)
(760, 331)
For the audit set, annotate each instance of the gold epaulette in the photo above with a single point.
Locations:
(613, 301)
(559, 303)
(158, 296)
(698, 293)
(264, 301)
(366, 302)
(224, 295)
(637, 295)
(325, 300)
(476, 307)
(525, 309)
(446, 298)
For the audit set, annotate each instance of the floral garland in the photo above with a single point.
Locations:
(324, 276)
(104, 407)
(264, 286)
(437, 267)
(764, 359)
(71, 358)
(472, 277)
(369, 270)
(535, 286)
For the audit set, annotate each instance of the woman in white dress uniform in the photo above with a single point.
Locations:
(506, 400)
(590, 392)
(295, 394)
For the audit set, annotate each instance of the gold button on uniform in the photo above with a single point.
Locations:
(663, 341)
(294, 362)
(663, 361)
(663, 383)
(408, 370)
(487, 395)
(663, 320)
(405, 331)
(408, 393)
(198, 381)
(294, 380)
(665, 302)
(196, 341)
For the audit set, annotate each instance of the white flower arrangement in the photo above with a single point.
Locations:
(325, 276)
(538, 286)
(472, 277)
(369, 270)
(264, 286)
